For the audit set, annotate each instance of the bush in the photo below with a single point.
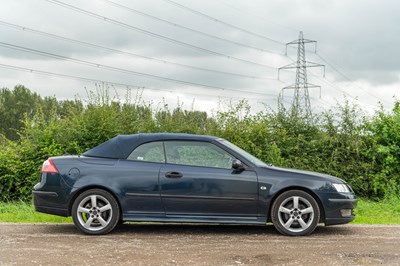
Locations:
(365, 151)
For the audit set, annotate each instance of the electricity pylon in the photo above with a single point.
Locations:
(301, 100)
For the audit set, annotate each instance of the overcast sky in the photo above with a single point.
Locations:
(209, 51)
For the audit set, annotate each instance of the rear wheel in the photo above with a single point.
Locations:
(295, 213)
(95, 212)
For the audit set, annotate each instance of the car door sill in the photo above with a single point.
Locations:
(194, 219)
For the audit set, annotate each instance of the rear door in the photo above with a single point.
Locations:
(141, 185)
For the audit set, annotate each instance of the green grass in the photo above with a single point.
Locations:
(21, 212)
(367, 212)
(383, 212)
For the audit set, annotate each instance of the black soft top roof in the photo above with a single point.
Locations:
(121, 146)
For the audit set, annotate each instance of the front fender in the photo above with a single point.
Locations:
(276, 182)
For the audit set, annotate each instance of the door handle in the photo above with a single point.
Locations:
(173, 175)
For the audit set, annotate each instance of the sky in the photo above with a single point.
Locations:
(203, 55)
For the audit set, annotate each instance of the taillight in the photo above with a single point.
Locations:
(49, 167)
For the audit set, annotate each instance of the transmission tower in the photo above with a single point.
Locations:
(301, 100)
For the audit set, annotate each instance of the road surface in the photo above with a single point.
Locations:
(175, 244)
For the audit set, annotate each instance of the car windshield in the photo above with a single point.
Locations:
(244, 153)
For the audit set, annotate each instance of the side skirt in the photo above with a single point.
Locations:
(193, 219)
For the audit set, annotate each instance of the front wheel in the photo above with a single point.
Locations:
(95, 212)
(295, 213)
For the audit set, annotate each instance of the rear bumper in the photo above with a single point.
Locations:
(51, 210)
(48, 202)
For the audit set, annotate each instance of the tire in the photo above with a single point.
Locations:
(95, 212)
(295, 213)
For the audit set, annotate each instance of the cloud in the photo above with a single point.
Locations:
(358, 38)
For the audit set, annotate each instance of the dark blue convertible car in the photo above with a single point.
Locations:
(186, 178)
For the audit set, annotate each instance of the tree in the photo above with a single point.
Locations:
(13, 106)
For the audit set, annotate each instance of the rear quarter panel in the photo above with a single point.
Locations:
(120, 177)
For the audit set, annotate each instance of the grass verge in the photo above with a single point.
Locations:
(383, 212)
(21, 212)
(367, 212)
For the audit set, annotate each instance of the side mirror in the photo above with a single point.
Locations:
(237, 165)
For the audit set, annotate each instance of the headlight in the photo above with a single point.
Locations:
(341, 187)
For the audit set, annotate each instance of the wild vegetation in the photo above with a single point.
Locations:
(367, 212)
(363, 150)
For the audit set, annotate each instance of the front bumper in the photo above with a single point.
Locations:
(340, 211)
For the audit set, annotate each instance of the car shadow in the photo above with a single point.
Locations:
(196, 229)
(188, 228)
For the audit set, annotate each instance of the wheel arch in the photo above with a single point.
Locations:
(307, 190)
(83, 189)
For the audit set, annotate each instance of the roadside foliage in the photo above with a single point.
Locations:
(363, 150)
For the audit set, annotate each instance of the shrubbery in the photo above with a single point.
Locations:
(365, 151)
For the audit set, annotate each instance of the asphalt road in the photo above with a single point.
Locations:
(173, 244)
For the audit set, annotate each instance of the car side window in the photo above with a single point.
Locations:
(149, 152)
(197, 153)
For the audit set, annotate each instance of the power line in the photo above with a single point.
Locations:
(257, 16)
(222, 22)
(337, 87)
(155, 35)
(121, 70)
(59, 75)
(320, 100)
(80, 78)
(333, 84)
(327, 81)
(58, 37)
(186, 28)
(347, 78)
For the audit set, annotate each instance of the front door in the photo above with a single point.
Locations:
(198, 180)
